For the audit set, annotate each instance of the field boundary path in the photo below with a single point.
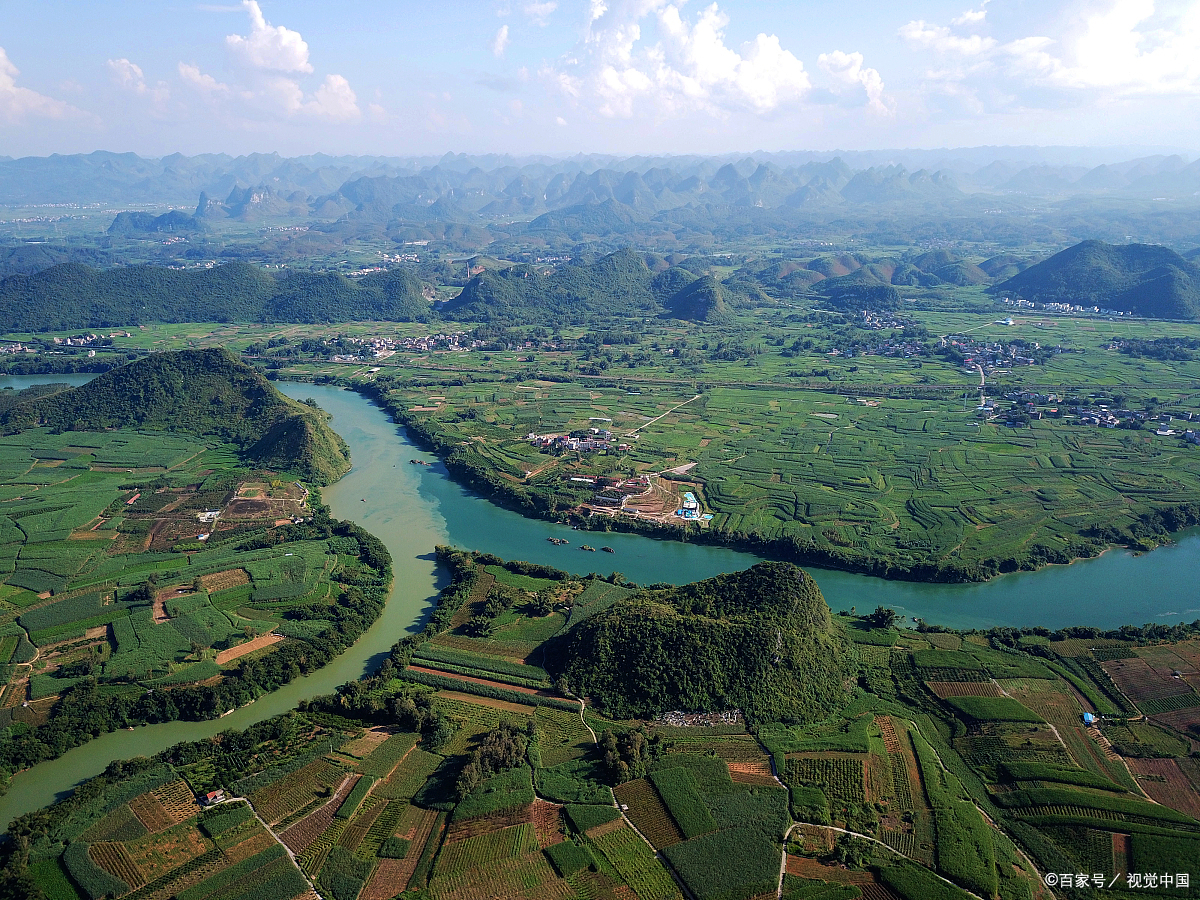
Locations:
(663, 416)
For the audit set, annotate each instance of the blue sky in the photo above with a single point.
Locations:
(613, 76)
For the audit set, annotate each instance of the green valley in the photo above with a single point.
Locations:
(162, 557)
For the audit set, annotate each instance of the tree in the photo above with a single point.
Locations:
(883, 617)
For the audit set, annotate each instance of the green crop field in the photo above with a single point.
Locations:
(108, 583)
(460, 794)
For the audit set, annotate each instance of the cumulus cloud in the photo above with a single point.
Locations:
(500, 41)
(687, 67)
(267, 62)
(1125, 48)
(334, 99)
(268, 46)
(199, 81)
(848, 69)
(18, 103)
(129, 76)
(972, 16)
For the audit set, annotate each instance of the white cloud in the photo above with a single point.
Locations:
(270, 47)
(267, 63)
(539, 11)
(1125, 48)
(205, 84)
(972, 16)
(17, 103)
(334, 100)
(689, 67)
(941, 39)
(500, 41)
(129, 76)
(848, 69)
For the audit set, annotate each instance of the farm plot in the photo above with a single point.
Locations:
(944, 689)
(1166, 783)
(301, 835)
(409, 775)
(295, 790)
(157, 854)
(527, 877)
(648, 813)
(840, 775)
(1141, 683)
(561, 736)
(636, 864)
(480, 850)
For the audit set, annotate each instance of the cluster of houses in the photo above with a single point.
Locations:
(594, 440)
(383, 347)
(82, 340)
(993, 355)
(1070, 308)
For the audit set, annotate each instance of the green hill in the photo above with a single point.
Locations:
(761, 640)
(71, 295)
(703, 300)
(1141, 278)
(210, 393)
(615, 285)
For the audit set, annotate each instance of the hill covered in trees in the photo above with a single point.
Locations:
(760, 640)
(72, 295)
(1141, 278)
(210, 393)
(624, 283)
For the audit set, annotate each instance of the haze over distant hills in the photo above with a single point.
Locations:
(1010, 197)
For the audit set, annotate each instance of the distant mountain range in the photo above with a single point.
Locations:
(1140, 278)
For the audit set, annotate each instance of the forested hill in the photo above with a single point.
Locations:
(74, 296)
(1141, 278)
(210, 393)
(760, 640)
(624, 283)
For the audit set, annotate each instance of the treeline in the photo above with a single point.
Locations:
(88, 710)
(71, 296)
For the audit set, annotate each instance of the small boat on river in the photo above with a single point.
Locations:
(608, 549)
(587, 548)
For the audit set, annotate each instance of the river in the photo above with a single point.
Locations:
(412, 508)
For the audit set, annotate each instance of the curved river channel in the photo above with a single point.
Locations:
(412, 508)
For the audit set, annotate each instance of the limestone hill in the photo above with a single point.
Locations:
(210, 393)
(761, 640)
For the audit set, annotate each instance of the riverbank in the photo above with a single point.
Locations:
(1155, 529)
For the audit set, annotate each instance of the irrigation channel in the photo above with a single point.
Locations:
(412, 508)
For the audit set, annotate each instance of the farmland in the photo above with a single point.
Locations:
(799, 433)
(965, 766)
(160, 560)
